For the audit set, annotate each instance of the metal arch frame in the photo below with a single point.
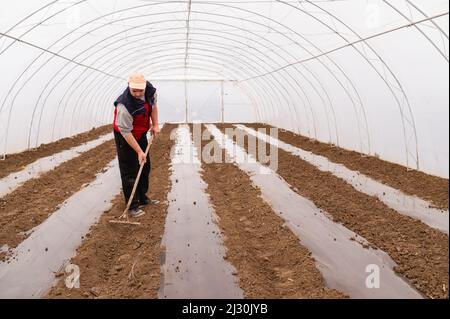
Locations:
(256, 110)
(244, 90)
(385, 65)
(55, 1)
(45, 20)
(251, 96)
(308, 51)
(104, 117)
(112, 62)
(110, 85)
(200, 12)
(211, 70)
(47, 61)
(427, 16)
(161, 65)
(221, 65)
(178, 67)
(321, 62)
(196, 34)
(29, 16)
(404, 96)
(115, 86)
(213, 22)
(226, 38)
(40, 22)
(425, 36)
(73, 31)
(210, 41)
(417, 27)
(112, 88)
(188, 29)
(288, 82)
(125, 52)
(126, 64)
(41, 8)
(177, 57)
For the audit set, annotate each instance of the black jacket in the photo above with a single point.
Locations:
(136, 106)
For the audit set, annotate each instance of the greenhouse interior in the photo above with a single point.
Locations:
(224, 149)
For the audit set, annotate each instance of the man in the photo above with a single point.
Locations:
(133, 111)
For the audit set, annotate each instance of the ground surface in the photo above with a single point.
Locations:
(270, 261)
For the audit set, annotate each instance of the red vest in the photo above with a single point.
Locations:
(141, 123)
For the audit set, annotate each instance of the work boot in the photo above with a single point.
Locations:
(136, 212)
(146, 201)
(135, 204)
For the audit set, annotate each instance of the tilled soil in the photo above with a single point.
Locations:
(269, 258)
(118, 260)
(16, 162)
(412, 182)
(30, 204)
(124, 261)
(420, 251)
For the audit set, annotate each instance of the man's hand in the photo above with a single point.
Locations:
(134, 145)
(141, 157)
(155, 130)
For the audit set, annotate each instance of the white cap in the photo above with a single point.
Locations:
(137, 81)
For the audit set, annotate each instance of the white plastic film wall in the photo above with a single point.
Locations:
(367, 75)
(207, 101)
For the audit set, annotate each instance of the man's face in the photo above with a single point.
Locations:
(137, 93)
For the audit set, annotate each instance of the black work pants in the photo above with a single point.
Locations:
(129, 168)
